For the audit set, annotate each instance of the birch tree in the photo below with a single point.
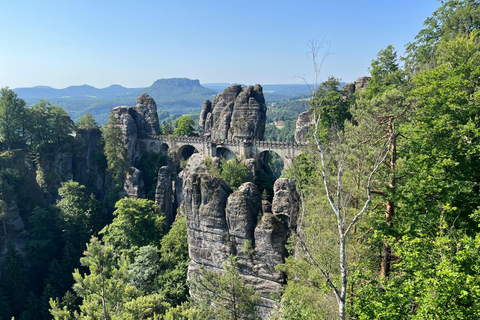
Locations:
(350, 155)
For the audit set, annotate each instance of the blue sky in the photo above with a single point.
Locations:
(133, 43)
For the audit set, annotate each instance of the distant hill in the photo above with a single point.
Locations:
(174, 96)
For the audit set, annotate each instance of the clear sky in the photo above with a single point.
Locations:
(133, 43)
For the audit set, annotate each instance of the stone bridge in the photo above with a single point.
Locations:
(241, 148)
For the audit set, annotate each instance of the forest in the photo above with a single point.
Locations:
(389, 187)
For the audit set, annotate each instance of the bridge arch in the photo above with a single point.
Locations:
(226, 153)
(274, 160)
(185, 152)
(163, 148)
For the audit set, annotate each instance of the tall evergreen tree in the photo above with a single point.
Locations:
(115, 151)
(12, 116)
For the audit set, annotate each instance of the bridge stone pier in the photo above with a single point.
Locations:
(241, 148)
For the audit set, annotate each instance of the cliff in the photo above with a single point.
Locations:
(222, 223)
(235, 113)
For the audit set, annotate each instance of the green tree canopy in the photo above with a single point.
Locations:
(115, 151)
(225, 296)
(184, 126)
(12, 117)
(136, 224)
(87, 122)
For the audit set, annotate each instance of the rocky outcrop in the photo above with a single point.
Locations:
(222, 223)
(87, 169)
(137, 122)
(133, 186)
(304, 123)
(12, 229)
(164, 194)
(236, 113)
(352, 87)
(146, 116)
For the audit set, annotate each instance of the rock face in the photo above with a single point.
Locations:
(133, 186)
(304, 123)
(136, 122)
(86, 170)
(236, 113)
(13, 231)
(146, 116)
(221, 223)
(360, 83)
(164, 194)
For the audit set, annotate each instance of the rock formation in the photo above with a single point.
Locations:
(236, 113)
(137, 122)
(221, 223)
(164, 194)
(303, 125)
(86, 169)
(13, 231)
(352, 87)
(133, 186)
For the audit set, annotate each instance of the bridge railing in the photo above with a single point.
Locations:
(256, 143)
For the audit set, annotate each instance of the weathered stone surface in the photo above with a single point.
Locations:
(146, 116)
(361, 83)
(134, 187)
(13, 231)
(249, 114)
(243, 208)
(204, 122)
(304, 123)
(164, 194)
(352, 87)
(136, 122)
(129, 131)
(235, 113)
(220, 222)
(86, 170)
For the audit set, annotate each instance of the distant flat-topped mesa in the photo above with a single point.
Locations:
(236, 113)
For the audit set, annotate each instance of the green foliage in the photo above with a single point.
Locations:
(104, 290)
(150, 163)
(331, 105)
(174, 260)
(12, 116)
(136, 224)
(74, 211)
(142, 272)
(186, 311)
(184, 126)
(233, 172)
(166, 128)
(452, 18)
(385, 72)
(41, 245)
(225, 296)
(87, 122)
(115, 152)
(148, 307)
(14, 280)
(435, 278)
(47, 124)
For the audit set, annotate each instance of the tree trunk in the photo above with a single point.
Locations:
(390, 209)
(343, 273)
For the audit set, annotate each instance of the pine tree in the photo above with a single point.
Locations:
(225, 296)
(115, 151)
